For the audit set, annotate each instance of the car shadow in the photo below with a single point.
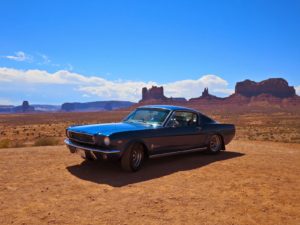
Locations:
(110, 173)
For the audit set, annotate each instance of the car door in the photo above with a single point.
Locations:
(181, 132)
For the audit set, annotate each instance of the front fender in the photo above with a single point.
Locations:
(136, 140)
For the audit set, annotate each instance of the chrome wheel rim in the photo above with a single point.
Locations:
(137, 156)
(215, 143)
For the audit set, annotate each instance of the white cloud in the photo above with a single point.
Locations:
(297, 90)
(194, 88)
(37, 58)
(19, 56)
(109, 90)
(45, 59)
(4, 101)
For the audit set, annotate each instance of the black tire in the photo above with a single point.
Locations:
(133, 157)
(215, 144)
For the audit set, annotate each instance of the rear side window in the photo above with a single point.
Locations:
(204, 119)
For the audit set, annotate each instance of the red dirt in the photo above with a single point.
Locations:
(251, 183)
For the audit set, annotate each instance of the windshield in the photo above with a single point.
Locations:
(149, 116)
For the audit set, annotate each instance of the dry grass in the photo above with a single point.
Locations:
(4, 143)
(49, 128)
(46, 141)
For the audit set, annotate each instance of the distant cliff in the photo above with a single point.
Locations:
(206, 96)
(68, 107)
(153, 93)
(270, 92)
(24, 108)
(95, 106)
(157, 94)
(273, 91)
(276, 87)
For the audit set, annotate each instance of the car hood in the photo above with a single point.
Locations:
(109, 128)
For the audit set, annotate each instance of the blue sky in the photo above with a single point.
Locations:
(128, 44)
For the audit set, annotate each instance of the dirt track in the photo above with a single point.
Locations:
(251, 183)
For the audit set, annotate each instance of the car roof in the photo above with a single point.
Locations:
(169, 107)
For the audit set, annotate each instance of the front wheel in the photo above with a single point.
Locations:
(133, 157)
(215, 144)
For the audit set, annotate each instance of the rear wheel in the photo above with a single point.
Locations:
(215, 144)
(133, 157)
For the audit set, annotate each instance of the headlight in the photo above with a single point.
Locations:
(106, 141)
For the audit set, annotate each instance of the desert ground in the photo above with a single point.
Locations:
(253, 182)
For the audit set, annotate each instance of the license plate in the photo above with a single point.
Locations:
(80, 152)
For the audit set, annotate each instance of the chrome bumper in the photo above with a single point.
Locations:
(75, 145)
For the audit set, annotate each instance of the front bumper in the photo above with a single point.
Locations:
(105, 153)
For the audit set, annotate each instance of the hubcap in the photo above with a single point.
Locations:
(215, 143)
(137, 156)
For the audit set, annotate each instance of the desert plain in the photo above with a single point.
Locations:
(255, 181)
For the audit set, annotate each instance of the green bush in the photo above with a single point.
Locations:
(17, 144)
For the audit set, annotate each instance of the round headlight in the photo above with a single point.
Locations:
(106, 141)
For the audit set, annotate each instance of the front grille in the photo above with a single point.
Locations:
(80, 137)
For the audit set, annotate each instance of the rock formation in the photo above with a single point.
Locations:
(276, 87)
(205, 93)
(177, 99)
(206, 96)
(153, 93)
(272, 92)
(156, 94)
(95, 106)
(24, 108)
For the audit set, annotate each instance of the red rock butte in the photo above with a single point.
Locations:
(153, 93)
(277, 87)
(271, 91)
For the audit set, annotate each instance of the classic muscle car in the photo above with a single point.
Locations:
(150, 131)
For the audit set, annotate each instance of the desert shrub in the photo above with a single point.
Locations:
(17, 144)
(4, 143)
(46, 141)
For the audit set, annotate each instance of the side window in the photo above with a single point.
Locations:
(204, 119)
(183, 119)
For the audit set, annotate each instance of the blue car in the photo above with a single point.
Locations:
(149, 131)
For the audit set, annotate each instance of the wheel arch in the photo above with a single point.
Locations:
(222, 140)
(221, 136)
(138, 141)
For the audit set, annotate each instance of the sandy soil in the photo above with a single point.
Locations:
(251, 183)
